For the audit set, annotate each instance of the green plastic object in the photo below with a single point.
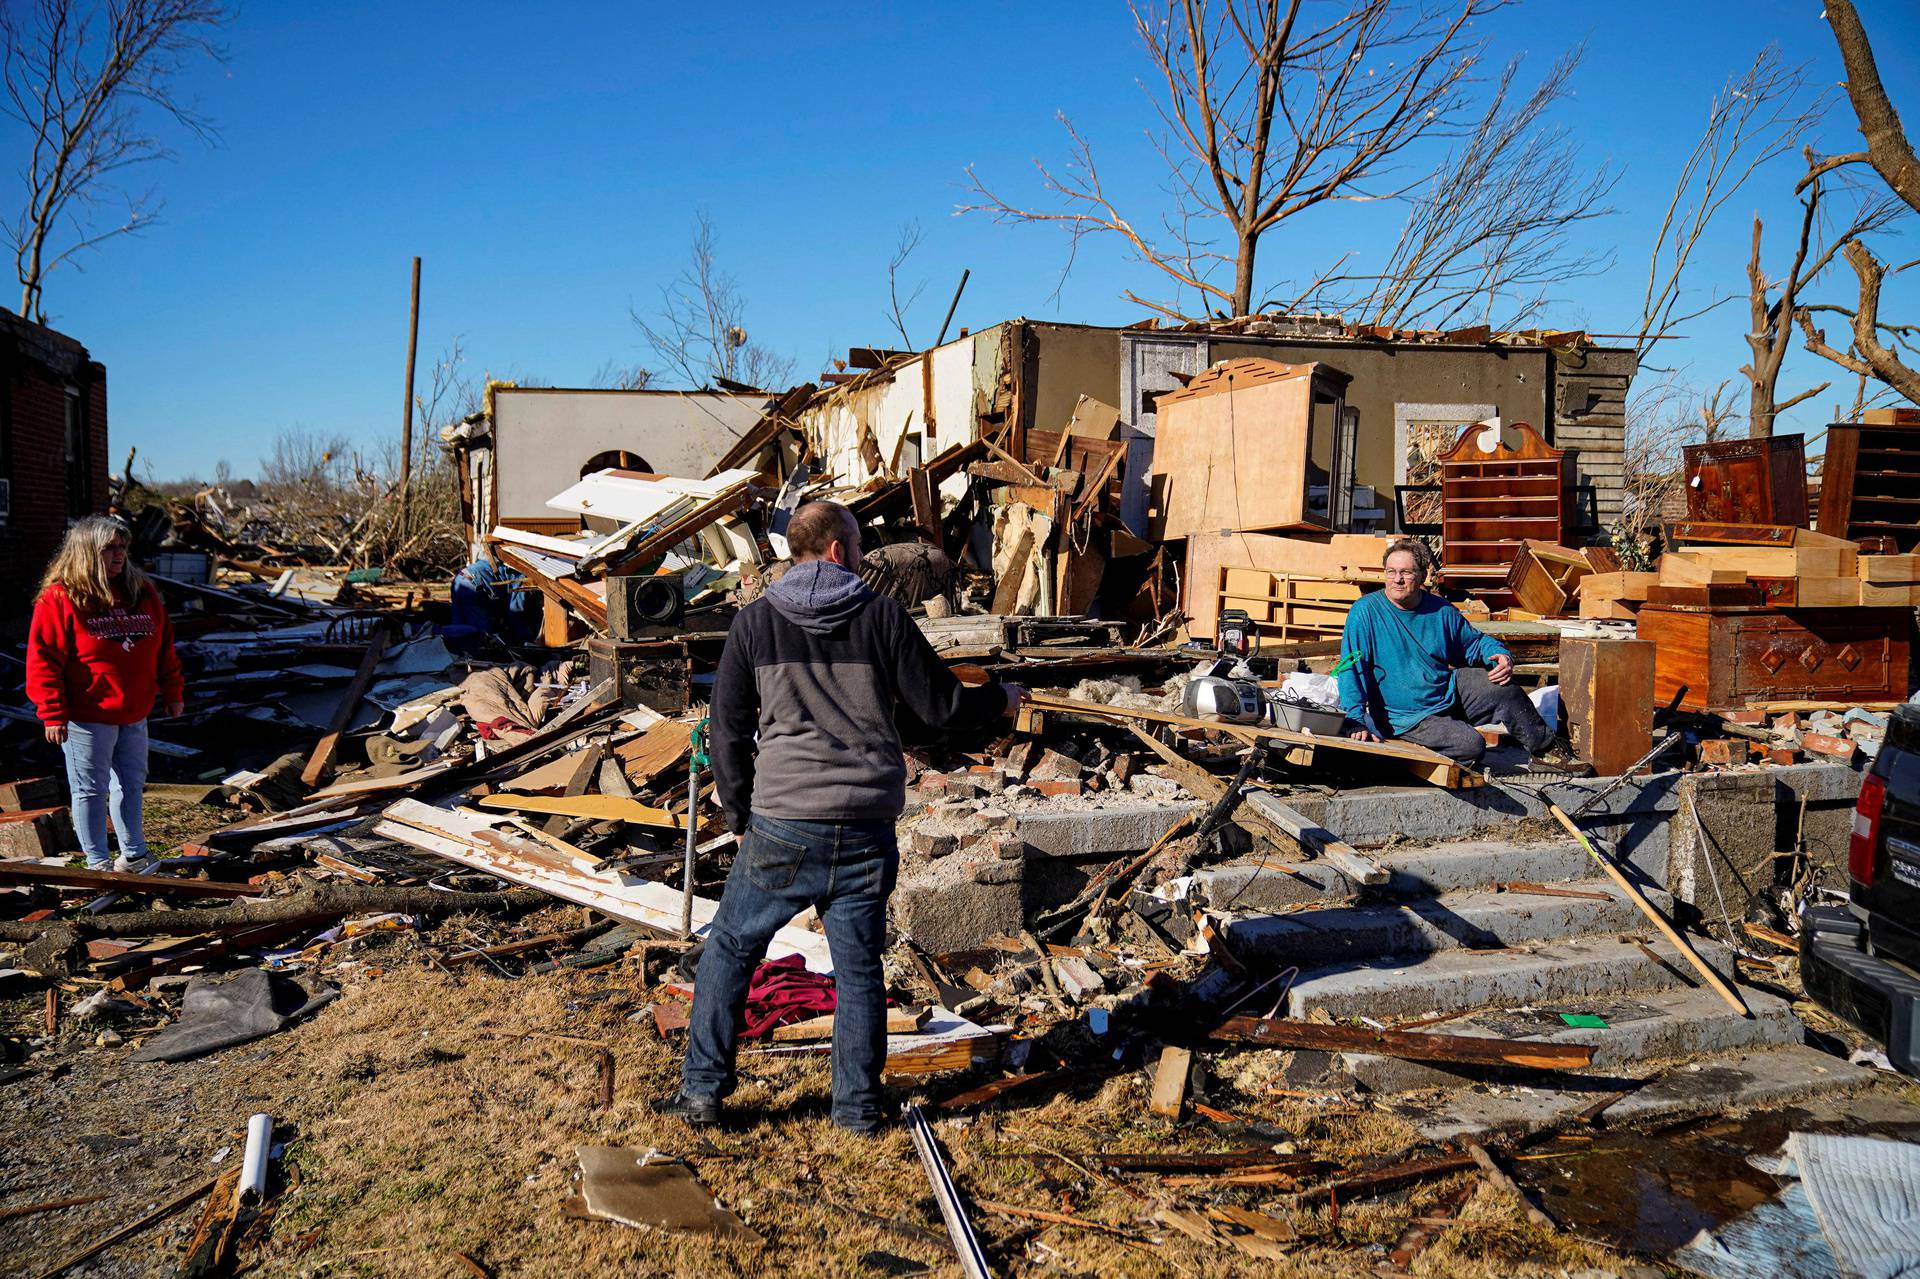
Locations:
(1584, 1021)
(699, 744)
(365, 576)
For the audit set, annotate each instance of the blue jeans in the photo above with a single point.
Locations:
(845, 870)
(107, 762)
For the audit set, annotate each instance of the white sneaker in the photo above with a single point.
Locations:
(131, 866)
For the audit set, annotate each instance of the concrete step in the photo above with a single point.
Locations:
(1252, 884)
(1681, 1022)
(1465, 919)
(1454, 980)
(1720, 1084)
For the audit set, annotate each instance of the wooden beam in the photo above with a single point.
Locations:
(1468, 1050)
(596, 807)
(1294, 748)
(1648, 909)
(323, 750)
(1317, 840)
(30, 872)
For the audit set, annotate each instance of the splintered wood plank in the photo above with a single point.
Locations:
(1170, 1081)
(30, 872)
(456, 835)
(1315, 838)
(323, 750)
(654, 751)
(606, 808)
(1409, 1045)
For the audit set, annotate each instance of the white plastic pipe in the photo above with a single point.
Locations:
(253, 1166)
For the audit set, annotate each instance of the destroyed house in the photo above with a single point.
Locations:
(1407, 396)
(532, 442)
(53, 449)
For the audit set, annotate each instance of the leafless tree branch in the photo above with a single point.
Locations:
(1755, 118)
(910, 237)
(1888, 149)
(1268, 109)
(1490, 227)
(700, 330)
(90, 83)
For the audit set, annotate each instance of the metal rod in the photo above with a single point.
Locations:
(406, 421)
(1626, 774)
(693, 799)
(973, 1262)
(953, 305)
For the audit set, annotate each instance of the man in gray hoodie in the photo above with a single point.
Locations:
(807, 762)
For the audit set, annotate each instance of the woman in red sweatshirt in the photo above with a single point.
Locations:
(99, 652)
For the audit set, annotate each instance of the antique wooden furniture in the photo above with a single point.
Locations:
(1748, 481)
(1251, 444)
(1284, 607)
(1336, 557)
(1493, 498)
(1606, 691)
(1726, 657)
(1544, 577)
(1870, 481)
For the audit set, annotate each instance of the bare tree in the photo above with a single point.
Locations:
(700, 331)
(1773, 317)
(302, 460)
(615, 376)
(1489, 227)
(910, 237)
(1892, 157)
(1888, 150)
(91, 84)
(1266, 116)
(1663, 417)
(1754, 119)
(1870, 355)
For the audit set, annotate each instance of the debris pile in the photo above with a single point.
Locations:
(1175, 875)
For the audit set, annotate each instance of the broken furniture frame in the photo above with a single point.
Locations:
(1285, 745)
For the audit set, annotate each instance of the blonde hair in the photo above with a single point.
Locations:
(79, 566)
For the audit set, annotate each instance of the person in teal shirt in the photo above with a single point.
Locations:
(1413, 668)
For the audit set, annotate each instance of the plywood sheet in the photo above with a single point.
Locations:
(1230, 450)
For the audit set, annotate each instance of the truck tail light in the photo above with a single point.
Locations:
(1866, 828)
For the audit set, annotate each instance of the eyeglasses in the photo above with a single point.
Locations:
(1403, 574)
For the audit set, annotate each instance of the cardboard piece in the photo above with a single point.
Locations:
(616, 1186)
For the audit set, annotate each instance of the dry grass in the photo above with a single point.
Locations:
(432, 1119)
(432, 1114)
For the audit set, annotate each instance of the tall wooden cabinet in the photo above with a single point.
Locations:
(1492, 500)
(1870, 482)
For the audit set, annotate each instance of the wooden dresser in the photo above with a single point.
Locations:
(1748, 481)
(1727, 657)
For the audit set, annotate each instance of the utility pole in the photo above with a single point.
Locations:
(406, 422)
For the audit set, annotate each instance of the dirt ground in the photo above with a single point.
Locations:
(432, 1113)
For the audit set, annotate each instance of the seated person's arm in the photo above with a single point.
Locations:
(1353, 689)
(1482, 649)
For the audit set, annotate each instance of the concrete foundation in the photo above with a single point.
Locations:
(1765, 1076)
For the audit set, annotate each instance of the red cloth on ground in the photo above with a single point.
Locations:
(782, 992)
(100, 668)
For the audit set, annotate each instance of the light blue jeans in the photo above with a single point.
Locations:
(108, 763)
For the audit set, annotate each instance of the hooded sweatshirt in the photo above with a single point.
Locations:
(100, 668)
(820, 669)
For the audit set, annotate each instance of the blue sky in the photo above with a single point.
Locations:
(548, 163)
